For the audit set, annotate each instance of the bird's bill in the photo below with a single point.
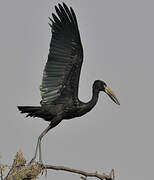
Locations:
(111, 95)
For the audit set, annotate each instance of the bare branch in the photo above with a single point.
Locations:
(86, 174)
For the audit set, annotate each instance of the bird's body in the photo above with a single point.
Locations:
(59, 88)
(67, 111)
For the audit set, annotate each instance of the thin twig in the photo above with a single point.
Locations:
(112, 174)
(1, 169)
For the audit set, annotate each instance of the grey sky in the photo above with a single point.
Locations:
(118, 40)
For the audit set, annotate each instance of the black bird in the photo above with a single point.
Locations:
(59, 88)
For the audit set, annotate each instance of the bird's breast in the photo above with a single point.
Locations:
(71, 112)
(74, 111)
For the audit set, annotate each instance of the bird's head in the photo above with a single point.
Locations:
(102, 86)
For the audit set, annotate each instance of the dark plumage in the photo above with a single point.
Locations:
(59, 88)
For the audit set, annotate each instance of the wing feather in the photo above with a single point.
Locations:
(62, 70)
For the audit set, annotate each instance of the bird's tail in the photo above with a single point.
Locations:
(32, 111)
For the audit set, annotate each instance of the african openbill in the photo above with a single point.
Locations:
(59, 88)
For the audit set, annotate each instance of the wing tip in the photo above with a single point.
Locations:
(64, 13)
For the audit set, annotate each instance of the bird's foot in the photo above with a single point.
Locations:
(33, 160)
(44, 169)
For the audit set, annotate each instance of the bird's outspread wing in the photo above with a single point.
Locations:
(62, 70)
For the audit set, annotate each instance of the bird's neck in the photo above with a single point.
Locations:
(94, 99)
(89, 105)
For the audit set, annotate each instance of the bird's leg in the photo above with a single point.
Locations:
(39, 142)
(38, 146)
(35, 152)
(55, 121)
